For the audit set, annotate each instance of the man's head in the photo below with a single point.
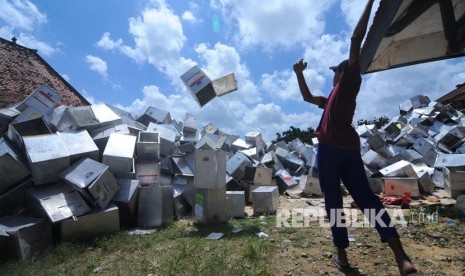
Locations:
(338, 70)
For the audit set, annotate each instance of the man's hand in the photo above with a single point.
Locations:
(300, 66)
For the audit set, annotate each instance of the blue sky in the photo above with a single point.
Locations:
(131, 54)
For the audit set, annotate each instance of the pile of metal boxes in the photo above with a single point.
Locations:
(418, 151)
(69, 172)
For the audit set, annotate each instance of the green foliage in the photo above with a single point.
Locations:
(307, 135)
(295, 132)
(377, 121)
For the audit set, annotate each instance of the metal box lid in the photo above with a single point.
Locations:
(78, 142)
(45, 147)
(83, 173)
(120, 145)
(59, 201)
(78, 117)
(105, 116)
(266, 189)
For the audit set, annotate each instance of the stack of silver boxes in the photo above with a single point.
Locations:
(95, 169)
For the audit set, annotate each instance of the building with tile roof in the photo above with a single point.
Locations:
(23, 70)
(456, 97)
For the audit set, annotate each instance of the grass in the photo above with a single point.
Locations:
(181, 248)
(173, 250)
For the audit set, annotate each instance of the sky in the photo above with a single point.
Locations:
(131, 54)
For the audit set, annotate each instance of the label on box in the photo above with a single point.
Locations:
(42, 99)
(199, 199)
(198, 211)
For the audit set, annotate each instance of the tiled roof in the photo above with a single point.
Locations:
(450, 97)
(23, 70)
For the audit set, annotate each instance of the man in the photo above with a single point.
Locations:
(339, 156)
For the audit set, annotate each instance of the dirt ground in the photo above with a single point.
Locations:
(434, 242)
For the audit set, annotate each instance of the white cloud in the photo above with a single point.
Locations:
(176, 104)
(352, 10)
(382, 92)
(21, 18)
(283, 85)
(107, 43)
(188, 16)
(98, 65)
(276, 22)
(21, 14)
(31, 42)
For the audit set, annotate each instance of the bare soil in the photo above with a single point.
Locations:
(436, 245)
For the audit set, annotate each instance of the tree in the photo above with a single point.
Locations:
(379, 122)
(295, 132)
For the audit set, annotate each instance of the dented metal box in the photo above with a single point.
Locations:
(156, 205)
(397, 186)
(105, 116)
(47, 157)
(235, 166)
(16, 131)
(449, 160)
(99, 222)
(454, 180)
(43, 98)
(258, 175)
(210, 206)
(56, 202)
(101, 135)
(225, 84)
(93, 180)
(13, 201)
(79, 117)
(400, 169)
(127, 199)
(210, 169)
(235, 201)
(265, 199)
(310, 185)
(199, 85)
(168, 137)
(148, 172)
(179, 166)
(7, 115)
(285, 180)
(119, 154)
(189, 123)
(148, 146)
(155, 115)
(13, 167)
(79, 145)
(21, 237)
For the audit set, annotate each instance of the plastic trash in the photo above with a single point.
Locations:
(262, 235)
